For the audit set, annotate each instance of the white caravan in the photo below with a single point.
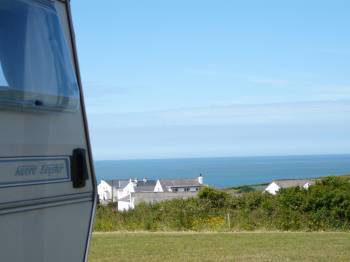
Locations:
(47, 184)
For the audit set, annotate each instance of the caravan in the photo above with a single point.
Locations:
(47, 183)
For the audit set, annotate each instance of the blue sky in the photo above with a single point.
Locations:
(215, 78)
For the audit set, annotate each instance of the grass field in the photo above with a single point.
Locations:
(220, 247)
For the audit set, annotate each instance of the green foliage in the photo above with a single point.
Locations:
(215, 198)
(324, 206)
(246, 188)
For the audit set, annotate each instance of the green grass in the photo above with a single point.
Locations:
(246, 188)
(260, 246)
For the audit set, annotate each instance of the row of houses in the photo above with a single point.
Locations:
(130, 192)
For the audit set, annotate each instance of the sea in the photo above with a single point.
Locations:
(223, 172)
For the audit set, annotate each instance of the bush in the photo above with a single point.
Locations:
(216, 198)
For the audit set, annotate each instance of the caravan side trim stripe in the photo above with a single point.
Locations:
(18, 206)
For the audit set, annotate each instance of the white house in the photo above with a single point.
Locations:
(179, 185)
(126, 203)
(276, 185)
(125, 197)
(113, 190)
(127, 189)
(108, 190)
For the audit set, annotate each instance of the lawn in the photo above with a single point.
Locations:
(220, 247)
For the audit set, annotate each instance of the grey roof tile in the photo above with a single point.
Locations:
(179, 182)
(293, 182)
(118, 183)
(145, 186)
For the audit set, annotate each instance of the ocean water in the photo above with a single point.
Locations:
(227, 171)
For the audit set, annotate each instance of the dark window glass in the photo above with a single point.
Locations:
(36, 69)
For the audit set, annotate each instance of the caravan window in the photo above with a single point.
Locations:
(36, 70)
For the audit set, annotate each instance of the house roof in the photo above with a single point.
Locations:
(145, 186)
(293, 182)
(180, 182)
(118, 183)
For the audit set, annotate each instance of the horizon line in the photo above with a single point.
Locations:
(220, 157)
